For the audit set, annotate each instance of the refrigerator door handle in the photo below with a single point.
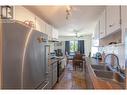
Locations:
(46, 57)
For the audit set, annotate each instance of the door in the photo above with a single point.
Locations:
(34, 68)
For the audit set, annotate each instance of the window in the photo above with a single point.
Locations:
(73, 46)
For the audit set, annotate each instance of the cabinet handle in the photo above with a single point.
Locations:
(110, 25)
(45, 85)
(47, 73)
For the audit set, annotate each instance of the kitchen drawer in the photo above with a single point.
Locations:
(54, 76)
(44, 85)
(50, 79)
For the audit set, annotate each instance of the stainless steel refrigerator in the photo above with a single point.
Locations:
(24, 53)
(126, 55)
(126, 48)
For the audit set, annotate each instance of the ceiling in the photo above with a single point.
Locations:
(81, 19)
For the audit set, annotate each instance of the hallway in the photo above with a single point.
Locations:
(72, 79)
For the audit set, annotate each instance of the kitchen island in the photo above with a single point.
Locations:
(97, 82)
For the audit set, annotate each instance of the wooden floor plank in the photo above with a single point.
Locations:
(72, 79)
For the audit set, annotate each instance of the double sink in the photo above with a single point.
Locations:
(103, 72)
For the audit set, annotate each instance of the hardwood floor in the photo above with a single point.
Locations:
(72, 79)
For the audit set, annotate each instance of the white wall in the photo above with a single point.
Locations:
(87, 41)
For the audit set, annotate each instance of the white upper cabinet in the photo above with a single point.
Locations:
(40, 25)
(124, 14)
(55, 34)
(112, 19)
(102, 25)
(48, 31)
(97, 30)
(22, 14)
(124, 21)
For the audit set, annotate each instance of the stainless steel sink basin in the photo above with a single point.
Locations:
(109, 75)
(100, 67)
(104, 74)
(118, 77)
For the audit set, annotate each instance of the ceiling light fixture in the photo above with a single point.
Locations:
(77, 36)
(68, 11)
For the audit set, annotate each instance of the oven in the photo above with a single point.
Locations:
(61, 66)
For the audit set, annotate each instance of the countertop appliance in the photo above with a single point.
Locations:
(58, 52)
(23, 58)
(98, 56)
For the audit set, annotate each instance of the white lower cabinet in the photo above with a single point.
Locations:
(52, 76)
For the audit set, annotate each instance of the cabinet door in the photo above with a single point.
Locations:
(97, 30)
(112, 19)
(124, 14)
(124, 21)
(22, 14)
(49, 31)
(54, 76)
(55, 34)
(54, 73)
(40, 25)
(50, 77)
(102, 25)
(46, 28)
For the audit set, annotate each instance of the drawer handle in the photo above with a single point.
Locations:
(45, 85)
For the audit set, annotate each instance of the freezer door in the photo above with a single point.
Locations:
(34, 68)
(14, 35)
(126, 49)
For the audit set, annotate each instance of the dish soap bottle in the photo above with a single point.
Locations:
(103, 56)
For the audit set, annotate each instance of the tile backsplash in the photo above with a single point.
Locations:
(118, 50)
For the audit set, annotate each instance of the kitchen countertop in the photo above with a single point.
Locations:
(51, 61)
(98, 83)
